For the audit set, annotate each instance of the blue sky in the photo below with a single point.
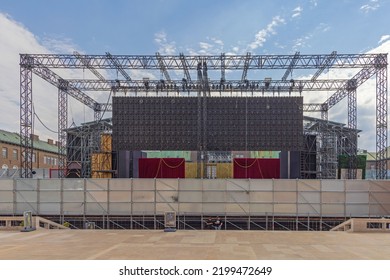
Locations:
(191, 27)
(131, 27)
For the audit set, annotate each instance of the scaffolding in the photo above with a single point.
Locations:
(324, 142)
(83, 142)
(367, 65)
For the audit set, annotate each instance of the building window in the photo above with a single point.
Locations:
(15, 154)
(34, 159)
(5, 152)
(45, 160)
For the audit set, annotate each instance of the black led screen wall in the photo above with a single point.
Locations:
(217, 123)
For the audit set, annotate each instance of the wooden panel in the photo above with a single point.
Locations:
(224, 170)
(191, 169)
(101, 164)
(106, 143)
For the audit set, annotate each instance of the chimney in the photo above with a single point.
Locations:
(34, 137)
(50, 141)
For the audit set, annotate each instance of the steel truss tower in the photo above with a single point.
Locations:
(26, 117)
(381, 116)
(44, 66)
(62, 125)
(352, 124)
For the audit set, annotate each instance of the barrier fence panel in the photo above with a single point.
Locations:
(357, 195)
(214, 196)
(285, 197)
(237, 197)
(26, 196)
(333, 198)
(73, 196)
(96, 195)
(167, 195)
(271, 204)
(120, 191)
(7, 196)
(261, 197)
(144, 197)
(379, 198)
(309, 197)
(50, 197)
(190, 195)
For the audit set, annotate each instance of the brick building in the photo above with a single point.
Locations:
(45, 154)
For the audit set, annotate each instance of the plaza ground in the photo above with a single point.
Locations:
(192, 245)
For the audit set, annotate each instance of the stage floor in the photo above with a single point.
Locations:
(192, 245)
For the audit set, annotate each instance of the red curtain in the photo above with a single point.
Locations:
(256, 168)
(161, 167)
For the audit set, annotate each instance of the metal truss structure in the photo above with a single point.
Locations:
(203, 83)
(82, 142)
(324, 141)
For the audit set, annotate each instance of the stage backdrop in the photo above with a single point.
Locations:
(161, 168)
(256, 168)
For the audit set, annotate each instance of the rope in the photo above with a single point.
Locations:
(254, 161)
(170, 166)
(173, 167)
(258, 165)
(158, 169)
(36, 115)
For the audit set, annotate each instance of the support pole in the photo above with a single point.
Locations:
(199, 123)
(352, 125)
(206, 93)
(381, 116)
(26, 116)
(62, 125)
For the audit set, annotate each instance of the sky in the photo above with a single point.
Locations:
(199, 27)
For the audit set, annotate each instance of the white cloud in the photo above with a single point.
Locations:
(165, 47)
(314, 3)
(297, 12)
(16, 39)
(323, 27)
(59, 44)
(210, 46)
(217, 41)
(372, 5)
(205, 46)
(384, 38)
(235, 49)
(303, 42)
(365, 97)
(263, 34)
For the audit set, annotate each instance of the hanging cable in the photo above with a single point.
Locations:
(71, 112)
(105, 107)
(35, 114)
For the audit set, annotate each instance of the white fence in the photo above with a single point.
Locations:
(234, 197)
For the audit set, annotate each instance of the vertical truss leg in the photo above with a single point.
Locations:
(200, 114)
(26, 117)
(97, 115)
(62, 125)
(352, 124)
(381, 119)
(324, 114)
(206, 93)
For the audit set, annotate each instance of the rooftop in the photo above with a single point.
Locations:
(14, 139)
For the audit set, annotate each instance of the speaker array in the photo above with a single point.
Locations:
(232, 123)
